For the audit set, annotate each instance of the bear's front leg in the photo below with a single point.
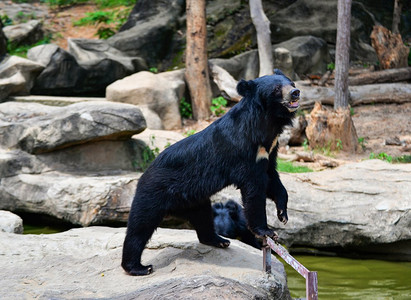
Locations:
(277, 192)
(254, 201)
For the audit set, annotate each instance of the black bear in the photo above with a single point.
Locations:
(230, 221)
(240, 148)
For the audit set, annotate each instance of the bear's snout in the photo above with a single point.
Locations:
(295, 94)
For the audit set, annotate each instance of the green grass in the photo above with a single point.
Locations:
(117, 17)
(405, 159)
(217, 106)
(289, 167)
(21, 50)
(186, 109)
(99, 3)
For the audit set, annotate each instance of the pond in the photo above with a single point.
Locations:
(344, 278)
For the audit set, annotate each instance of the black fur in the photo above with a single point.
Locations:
(229, 221)
(184, 176)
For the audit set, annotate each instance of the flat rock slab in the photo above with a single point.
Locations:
(363, 205)
(78, 199)
(85, 263)
(37, 128)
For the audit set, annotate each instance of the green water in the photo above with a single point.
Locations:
(344, 278)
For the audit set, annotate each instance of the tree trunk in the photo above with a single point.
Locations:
(396, 17)
(196, 73)
(359, 95)
(262, 26)
(389, 75)
(3, 42)
(342, 54)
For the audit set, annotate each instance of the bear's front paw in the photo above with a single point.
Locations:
(266, 232)
(282, 216)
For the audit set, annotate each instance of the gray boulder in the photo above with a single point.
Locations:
(37, 128)
(73, 197)
(16, 10)
(150, 29)
(17, 76)
(319, 19)
(90, 67)
(10, 222)
(24, 33)
(98, 56)
(359, 206)
(309, 54)
(302, 55)
(13, 162)
(242, 66)
(62, 75)
(86, 263)
(161, 93)
(283, 60)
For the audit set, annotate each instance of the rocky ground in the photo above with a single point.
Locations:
(85, 264)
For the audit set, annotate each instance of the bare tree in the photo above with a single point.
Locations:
(396, 17)
(3, 41)
(342, 54)
(262, 26)
(196, 73)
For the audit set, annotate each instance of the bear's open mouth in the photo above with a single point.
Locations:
(292, 105)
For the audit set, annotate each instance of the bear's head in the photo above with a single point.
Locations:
(275, 92)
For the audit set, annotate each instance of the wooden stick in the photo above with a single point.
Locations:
(311, 281)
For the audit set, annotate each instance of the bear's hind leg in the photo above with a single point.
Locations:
(138, 234)
(201, 218)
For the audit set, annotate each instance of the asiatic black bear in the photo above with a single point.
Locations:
(240, 148)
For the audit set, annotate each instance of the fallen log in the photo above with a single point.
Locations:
(359, 95)
(389, 75)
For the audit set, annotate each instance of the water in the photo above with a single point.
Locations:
(344, 278)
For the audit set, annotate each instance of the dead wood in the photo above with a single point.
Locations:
(359, 95)
(389, 75)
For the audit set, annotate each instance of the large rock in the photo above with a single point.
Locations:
(242, 66)
(86, 263)
(62, 75)
(19, 10)
(359, 206)
(309, 54)
(149, 30)
(37, 128)
(24, 33)
(10, 222)
(98, 57)
(161, 93)
(301, 55)
(319, 19)
(86, 70)
(17, 76)
(76, 198)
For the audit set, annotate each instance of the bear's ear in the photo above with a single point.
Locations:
(245, 88)
(278, 72)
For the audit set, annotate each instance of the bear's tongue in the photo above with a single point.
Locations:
(294, 104)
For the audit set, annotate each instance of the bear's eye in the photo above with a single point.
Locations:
(277, 90)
